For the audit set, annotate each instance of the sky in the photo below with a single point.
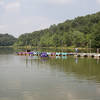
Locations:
(24, 16)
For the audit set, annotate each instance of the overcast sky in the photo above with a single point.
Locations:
(22, 16)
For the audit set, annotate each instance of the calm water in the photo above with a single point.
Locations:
(32, 78)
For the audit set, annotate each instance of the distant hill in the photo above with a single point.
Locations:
(80, 32)
(7, 40)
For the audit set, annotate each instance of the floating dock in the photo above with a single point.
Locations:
(46, 54)
(93, 55)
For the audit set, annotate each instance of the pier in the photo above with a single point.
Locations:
(93, 55)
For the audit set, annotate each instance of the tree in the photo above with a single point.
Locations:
(7, 40)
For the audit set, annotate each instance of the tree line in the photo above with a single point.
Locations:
(7, 40)
(77, 32)
(82, 31)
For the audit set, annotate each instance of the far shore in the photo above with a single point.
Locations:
(70, 49)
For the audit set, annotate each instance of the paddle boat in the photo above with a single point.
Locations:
(43, 54)
(63, 54)
(53, 54)
(58, 54)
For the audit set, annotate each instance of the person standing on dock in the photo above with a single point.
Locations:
(76, 50)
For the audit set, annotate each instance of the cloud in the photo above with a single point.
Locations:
(22, 24)
(98, 1)
(2, 26)
(32, 23)
(1, 2)
(12, 6)
(60, 2)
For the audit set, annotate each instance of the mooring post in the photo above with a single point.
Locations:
(97, 50)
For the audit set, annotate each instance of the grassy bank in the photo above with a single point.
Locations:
(60, 49)
(53, 49)
(6, 46)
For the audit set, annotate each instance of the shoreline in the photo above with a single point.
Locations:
(68, 49)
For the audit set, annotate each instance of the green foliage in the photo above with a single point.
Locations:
(77, 32)
(96, 36)
(7, 40)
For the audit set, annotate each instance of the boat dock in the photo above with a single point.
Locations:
(93, 55)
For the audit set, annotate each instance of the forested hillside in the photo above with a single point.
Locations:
(79, 32)
(7, 40)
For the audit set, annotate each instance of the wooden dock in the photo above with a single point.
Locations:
(93, 55)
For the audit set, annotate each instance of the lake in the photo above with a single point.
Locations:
(33, 78)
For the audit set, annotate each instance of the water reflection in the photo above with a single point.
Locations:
(64, 78)
(98, 61)
(76, 60)
(87, 68)
(57, 57)
(64, 57)
(6, 50)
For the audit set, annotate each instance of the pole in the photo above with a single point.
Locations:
(97, 50)
(90, 46)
